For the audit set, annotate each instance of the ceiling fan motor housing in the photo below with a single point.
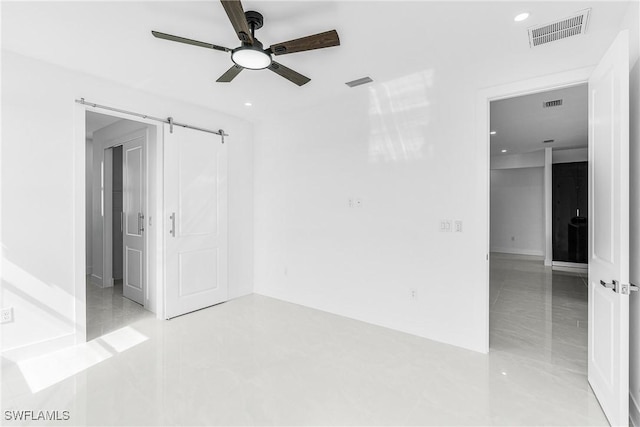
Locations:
(254, 19)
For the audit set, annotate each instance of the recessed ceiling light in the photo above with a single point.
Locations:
(493, 132)
(248, 104)
(521, 17)
(504, 151)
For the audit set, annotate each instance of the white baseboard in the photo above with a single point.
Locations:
(96, 280)
(516, 251)
(570, 266)
(634, 411)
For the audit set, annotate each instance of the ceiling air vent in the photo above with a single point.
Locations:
(554, 103)
(548, 141)
(359, 82)
(557, 30)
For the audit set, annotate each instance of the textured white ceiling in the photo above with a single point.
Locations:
(382, 39)
(521, 124)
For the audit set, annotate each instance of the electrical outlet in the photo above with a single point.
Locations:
(413, 293)
(457, 226)
(355, 202)
(6, 315)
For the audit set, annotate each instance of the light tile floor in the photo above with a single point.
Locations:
(108, 310)
(260, 361)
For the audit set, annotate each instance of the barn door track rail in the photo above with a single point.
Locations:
(168, 120)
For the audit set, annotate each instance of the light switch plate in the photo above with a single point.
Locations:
(445, 225)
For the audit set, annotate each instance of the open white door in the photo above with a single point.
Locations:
(196, 218)
(608, 363)
(133, 185)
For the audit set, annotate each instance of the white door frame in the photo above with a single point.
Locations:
(485, 96)
(154, 257)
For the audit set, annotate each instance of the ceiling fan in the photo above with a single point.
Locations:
(251, 54)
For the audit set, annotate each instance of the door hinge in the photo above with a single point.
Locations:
(140, 222)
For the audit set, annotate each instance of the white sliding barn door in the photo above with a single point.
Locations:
(608, 359)
(133, 207)
(196, 218)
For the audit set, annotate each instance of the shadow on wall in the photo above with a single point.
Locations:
(399, 114)
(40, 296)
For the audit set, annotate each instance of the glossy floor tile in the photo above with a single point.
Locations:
(538, 313)
(260, 361)
(108, 310)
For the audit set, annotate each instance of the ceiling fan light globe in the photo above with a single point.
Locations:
(251, 58)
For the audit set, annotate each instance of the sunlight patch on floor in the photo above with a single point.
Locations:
(51, 368)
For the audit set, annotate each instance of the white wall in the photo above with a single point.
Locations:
(517, 211)
(533, 159)
(39, 134)
(408, 147)
(571, 156)
(633, 19)
(389, 144)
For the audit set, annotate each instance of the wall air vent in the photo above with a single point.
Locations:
(572, 26)
(554, 103)
(359, 82)
(548, 141)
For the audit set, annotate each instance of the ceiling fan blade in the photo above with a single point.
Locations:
(317, 41)
(235, 12)
(289, 74)
(230, 74)
(189, 41)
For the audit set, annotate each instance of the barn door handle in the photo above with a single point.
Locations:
(173, 224)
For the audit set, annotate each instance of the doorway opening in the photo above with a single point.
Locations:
(538, 225)
(117, 216)
(608, 289)
(117, 286)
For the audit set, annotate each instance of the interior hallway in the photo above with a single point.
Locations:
(257, 360)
